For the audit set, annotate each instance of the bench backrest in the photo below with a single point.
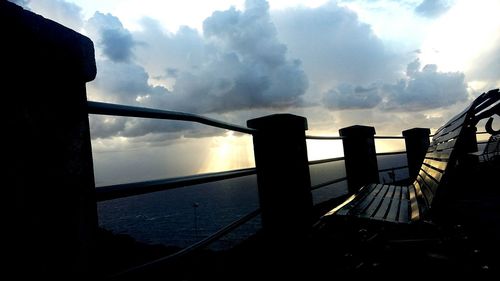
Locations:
(449, 143)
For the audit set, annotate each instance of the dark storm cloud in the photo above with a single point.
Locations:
(335, 46)
(238, 64)
(425, 88)
(114, 40)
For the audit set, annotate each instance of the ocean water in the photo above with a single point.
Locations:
(183, 216)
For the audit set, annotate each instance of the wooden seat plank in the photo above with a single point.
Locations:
(403, 215)
(383, 209)
(394, 208)
(414, 213)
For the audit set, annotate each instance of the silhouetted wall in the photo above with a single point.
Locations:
(361, 165)
(416, 142)
(49, 189)
(283, 177)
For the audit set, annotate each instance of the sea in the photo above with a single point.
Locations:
(183, 216)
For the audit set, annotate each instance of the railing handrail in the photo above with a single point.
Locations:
(393, 168)
(103, 108)
(388, 137)
(391, 153)
(327, 183)
(116, 191)
(309, 137)
(327, 160)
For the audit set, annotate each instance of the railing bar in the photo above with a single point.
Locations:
(391, 153)
(328, 160)
(314, 187)
(323, 137)
(196, 246)
(388, 137)
(390, 169)
(377, 137)
(111, 192)
(102, 108)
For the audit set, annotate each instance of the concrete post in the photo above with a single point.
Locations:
(416, 141)
(283, 176)
(49, 187)
(360, 156)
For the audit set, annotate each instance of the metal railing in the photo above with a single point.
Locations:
(328, 160)
(131, 189)
(102, 108)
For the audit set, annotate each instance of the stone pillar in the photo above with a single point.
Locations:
(49, 186)
(416, 141)
(360, 156)
(283, 176)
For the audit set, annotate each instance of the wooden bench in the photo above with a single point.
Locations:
(411, 203)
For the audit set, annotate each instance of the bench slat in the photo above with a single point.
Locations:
(429, 175)
(362, 205)
(440, 156)
(403, 207)
(414, 214)
(381, 212)
(446, 145)
(451, 125)
(365, 193)
(396, 200)
(426, 192)
(372, 208)
(440, 165)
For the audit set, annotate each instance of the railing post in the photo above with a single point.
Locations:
(283, 177)
(416, 141)
(360, 156)
(49, 181)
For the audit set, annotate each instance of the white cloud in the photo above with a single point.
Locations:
(347, 96)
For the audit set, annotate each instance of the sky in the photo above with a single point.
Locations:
(390, 64)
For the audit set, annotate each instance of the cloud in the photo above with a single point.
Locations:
(425, 88)
(347, 96)
(486, 66)
(164, 53)
(60, 11)
(238, 64)
(335, 46)
(114, 40)
(432, 8)
(232, 67)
